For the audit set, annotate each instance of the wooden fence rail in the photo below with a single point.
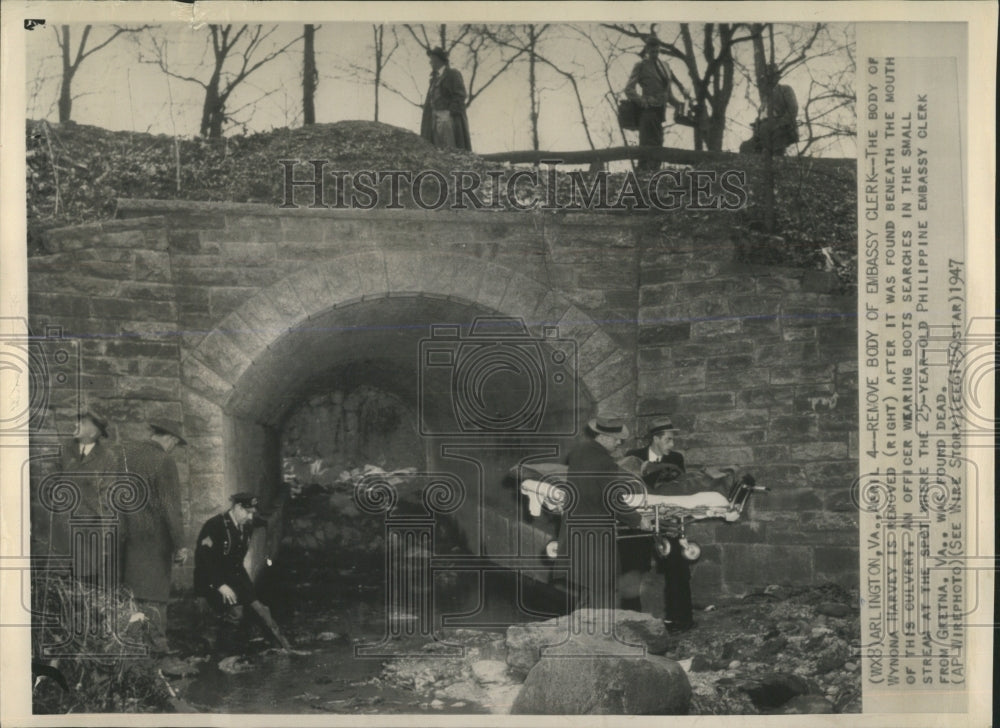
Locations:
(614, 154)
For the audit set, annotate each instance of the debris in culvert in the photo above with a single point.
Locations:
(235, 664)
(324, 515)
(331, 637)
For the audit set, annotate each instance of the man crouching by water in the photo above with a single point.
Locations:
(221, 578)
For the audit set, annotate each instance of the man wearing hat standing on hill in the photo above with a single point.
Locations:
(445, 123)
(776, 127)
(154, 534)
(652, 76)
(591, 470)
(90, 463)
(660, 465)
(220, 575)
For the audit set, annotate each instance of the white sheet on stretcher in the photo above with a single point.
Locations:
(708, 504)
(705, 499)
(548, 494)
(540, 493)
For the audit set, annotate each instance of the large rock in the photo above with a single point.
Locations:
(526, 642)
(604, 685)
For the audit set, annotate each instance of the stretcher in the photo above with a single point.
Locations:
(545, 485)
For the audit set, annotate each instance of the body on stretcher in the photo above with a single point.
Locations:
(666, 514)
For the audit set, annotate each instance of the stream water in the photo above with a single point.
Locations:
(333, 623)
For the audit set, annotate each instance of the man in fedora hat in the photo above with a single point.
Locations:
(661, 464)
(90, 463)
(445, 123)
(220, 575)
(591, 470)
(154, 534)
(652, 77)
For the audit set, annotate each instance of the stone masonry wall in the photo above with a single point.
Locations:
(758, 367)
(176, 303)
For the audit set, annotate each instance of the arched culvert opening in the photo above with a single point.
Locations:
(349, 389)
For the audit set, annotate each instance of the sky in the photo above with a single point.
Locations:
(120, 88)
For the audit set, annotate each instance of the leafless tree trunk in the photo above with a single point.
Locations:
(608, 51)
(533, 83)
(383, 55)
(244, 44)
(310, 77)
(528, 45)
(71, 61)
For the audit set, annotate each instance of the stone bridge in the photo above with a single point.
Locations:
(228, 316)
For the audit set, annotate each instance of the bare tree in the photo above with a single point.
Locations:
(383, 54)
(246, 46)
(423, 38)
(608, 49)
(310, 77)
(71, 61)
(526, 41)
(383, 48)
(829, 110)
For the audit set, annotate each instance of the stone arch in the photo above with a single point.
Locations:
(215, 367)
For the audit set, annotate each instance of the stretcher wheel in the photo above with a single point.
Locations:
(552, 549)
(662, 546)
(691, 551)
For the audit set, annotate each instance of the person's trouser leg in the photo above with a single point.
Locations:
(650, 135)
(677, 590)
(444, 130)
(633, 561)
(229, 638)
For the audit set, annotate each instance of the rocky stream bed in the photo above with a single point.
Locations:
(782, 650)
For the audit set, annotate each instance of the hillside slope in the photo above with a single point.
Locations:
(76, 173)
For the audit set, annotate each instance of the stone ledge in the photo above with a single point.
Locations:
(129, 209)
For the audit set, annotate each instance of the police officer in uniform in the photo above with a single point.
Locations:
(219, 574)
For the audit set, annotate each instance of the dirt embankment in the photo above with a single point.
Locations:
(76, 173)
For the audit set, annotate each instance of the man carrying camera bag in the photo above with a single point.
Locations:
(652, 77)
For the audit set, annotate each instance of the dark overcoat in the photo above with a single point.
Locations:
(447, 92)
(91, 477)
(591, 469)
(153, 533)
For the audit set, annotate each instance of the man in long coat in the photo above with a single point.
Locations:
(445, 123)
(591, 470)
(154, 534)
(89, 462)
